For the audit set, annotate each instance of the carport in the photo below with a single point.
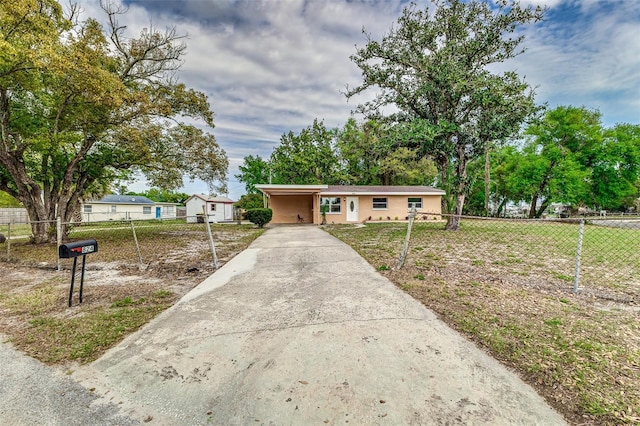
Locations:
(293, 203)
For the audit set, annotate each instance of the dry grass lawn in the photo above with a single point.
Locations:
(508, 287)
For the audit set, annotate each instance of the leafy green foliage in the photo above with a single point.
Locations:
(307, 158)
(570, 158)
(250, 201)
(163, 196)
(7, 200)
(81, 107)
(373, 154)
(358, 154)
(433, 69)
(253, 171)
(615, 170)
(260, 216)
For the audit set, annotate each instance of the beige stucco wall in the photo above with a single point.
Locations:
(286, 208)
(397, 208)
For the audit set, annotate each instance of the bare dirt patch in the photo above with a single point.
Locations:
(118, 296)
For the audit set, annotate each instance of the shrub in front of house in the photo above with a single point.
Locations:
(259, 216)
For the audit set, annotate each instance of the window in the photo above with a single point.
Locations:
(113, 209)
(379, 203)
(146, 210)
(212, 207)
(417, 202)
(333, 203)
(87, 208)
(167, 210)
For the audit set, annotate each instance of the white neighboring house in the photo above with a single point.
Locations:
(125, 207)
(217, 209)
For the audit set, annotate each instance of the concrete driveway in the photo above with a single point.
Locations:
(298, 329)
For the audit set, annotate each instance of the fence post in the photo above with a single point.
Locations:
(59, 235)
(8, 241)
(405, 249)
(576, 275)
(135, 239)
(211, 243)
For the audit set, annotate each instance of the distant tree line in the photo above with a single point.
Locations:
(163, 196)
(565, 156)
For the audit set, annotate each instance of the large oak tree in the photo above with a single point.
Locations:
(432, 71)
(81, 106)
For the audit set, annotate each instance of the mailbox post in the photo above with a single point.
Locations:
(75, 250)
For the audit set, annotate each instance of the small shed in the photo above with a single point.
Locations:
(215, 209)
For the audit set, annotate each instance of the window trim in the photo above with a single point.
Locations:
(146, 210)
(418, 205)
(332, 205)
(374, 202)
(87, 208)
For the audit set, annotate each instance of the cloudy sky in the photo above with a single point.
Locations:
(270, 66)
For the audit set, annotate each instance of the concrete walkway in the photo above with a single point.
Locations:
(298, 329)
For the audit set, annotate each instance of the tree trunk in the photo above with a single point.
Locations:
(446, 202)
(543, 208)
(532, 207)
(39, 224)
(501, 207)
(453, 222)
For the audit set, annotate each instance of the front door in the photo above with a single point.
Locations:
(158, 212)
(352, 209)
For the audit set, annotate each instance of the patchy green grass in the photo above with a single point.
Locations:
(118, 297)
(83, 338)
(507, 286)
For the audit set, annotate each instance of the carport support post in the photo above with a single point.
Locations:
(576, 274)
(211, 243)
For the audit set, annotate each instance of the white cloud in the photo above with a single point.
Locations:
(273, 66)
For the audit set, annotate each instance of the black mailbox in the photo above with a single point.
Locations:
(77, 248)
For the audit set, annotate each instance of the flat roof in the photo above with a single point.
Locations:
(276, 189)
(382, 189)
(271, 189)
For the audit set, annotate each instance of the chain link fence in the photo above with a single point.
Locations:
(598, 254)
(602, 260)
(170, 245)
(605, 256)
